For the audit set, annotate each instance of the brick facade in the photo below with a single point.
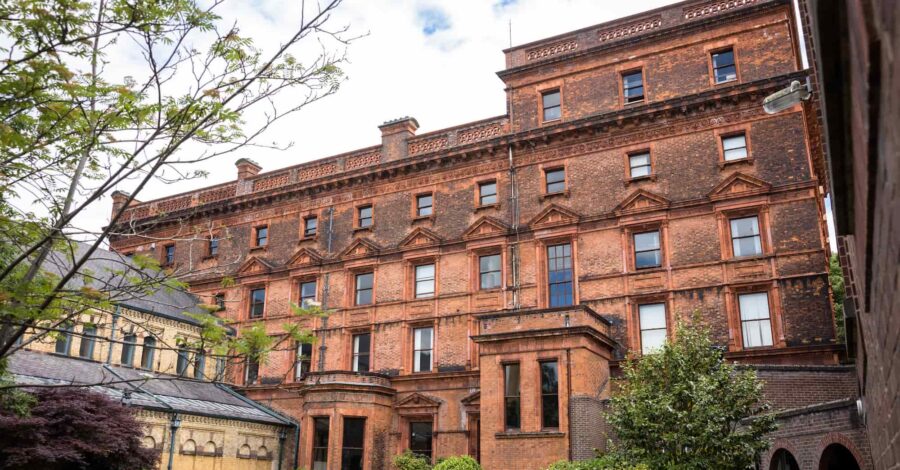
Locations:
(587, 225)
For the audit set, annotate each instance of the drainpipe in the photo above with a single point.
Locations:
(281, 437)
(325, 290)
(514, 223)
(112, 335)
(569, 397)
(174, 424)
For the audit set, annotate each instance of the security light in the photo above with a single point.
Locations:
(784, 99)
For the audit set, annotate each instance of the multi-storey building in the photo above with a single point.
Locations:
(486, 280)
(133, 353)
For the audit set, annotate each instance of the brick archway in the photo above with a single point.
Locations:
(841, 439)
(778, 444)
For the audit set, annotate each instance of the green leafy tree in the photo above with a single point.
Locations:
(459, 462)
(410, 461)
(75, 127)
(684, 407)
(838, 294)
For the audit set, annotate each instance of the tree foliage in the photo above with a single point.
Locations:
(73, 428)
(838, 294)
(97, 95)
(684, 407)
(459, 462)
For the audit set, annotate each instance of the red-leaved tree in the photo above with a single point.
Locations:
(73, 428)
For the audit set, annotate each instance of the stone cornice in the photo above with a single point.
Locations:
(617, 124)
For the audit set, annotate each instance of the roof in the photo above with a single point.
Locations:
(149, 390)
(114, 273)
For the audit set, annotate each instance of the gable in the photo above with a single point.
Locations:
(554, 215)
(420, 237)
(642, 201)
(305, 257)
(254, 265)
(418, 400)
(485, 227)
(738, 184)
(360, 248)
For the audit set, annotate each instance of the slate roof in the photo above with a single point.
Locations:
(112, 272)
(160, 392)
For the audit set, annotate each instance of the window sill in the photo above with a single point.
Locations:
(495, 205)
(562, 194)
(529, 435)
(423, 218)
(639, 179)
(633, 103)
(362, 229)
(308, 239)
(648, 270)
(258, 248)
(210, 257)
(492, 290)
(546, 122)
(738, 259)
(726, 82)
(725, 163)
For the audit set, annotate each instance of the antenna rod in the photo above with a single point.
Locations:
(510, 32)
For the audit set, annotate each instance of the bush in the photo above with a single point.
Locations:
(607, 462)
(409, 461)
(462, 462)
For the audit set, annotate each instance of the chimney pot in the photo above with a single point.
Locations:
(247, 168)
(394, 136)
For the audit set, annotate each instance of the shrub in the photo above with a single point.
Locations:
(462, 462)
(409, 461)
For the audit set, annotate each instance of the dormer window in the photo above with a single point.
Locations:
(552, 105)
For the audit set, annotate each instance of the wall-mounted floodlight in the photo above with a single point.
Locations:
(784, 99)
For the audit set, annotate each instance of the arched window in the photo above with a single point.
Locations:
(148, 352)
(189, 447)
(783, 460)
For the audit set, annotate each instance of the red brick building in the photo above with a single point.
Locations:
(487, 279)
(857, 79)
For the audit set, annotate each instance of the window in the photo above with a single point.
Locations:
(556, 180)
(310, 225)
(420, 438)
(489, 273)
(633, 86)
(199, 364)
(147, 353)
(169, 254)
(64, 340)
(734, 147)
(552, 105)
(487, 193)
(219, 299)
(745, 239)
(364, 217)
(88, 339)
(307, 293)
(424, 281)
(128, 345)
(257, 303)
(511, 396)
(364, 288)
(423, 345)
(362, 346)
(213, 245)
(182, 364)
(723, 66)
(252, 372)
(559, 274)
(262, 235)
(304, 360)
(652, 319)
(424, 205)
(639, 164)
(220, 368)
(549, 394)
(756, 325)
(647, 253)
(320, 443)
(354, 436)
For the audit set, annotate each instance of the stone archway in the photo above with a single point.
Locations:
(783, 459)
(838, 457)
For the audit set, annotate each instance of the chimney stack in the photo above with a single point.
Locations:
(247, 168)
(119, 198)
(394, 135)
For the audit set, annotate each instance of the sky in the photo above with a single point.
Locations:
(434, 60)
